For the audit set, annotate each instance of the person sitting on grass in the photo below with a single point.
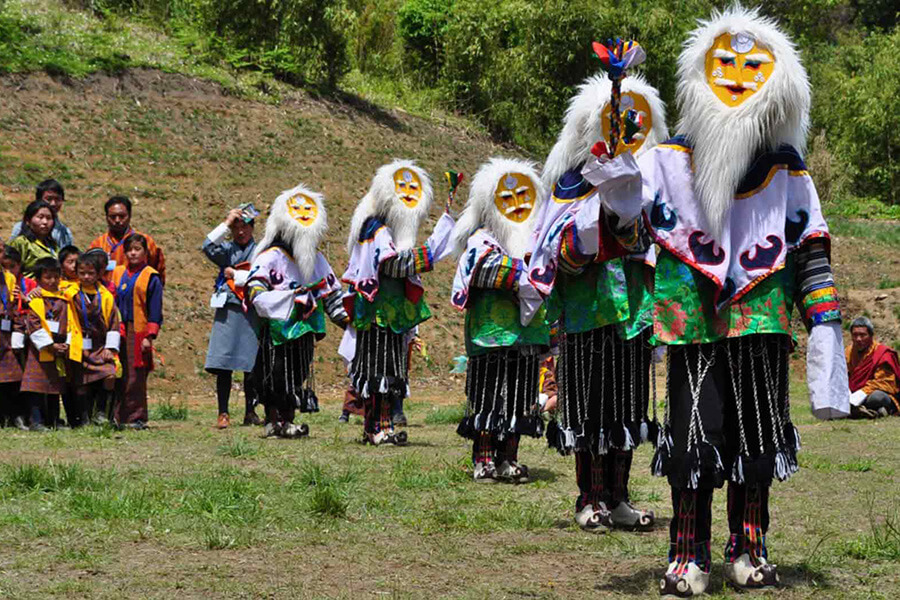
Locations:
(873, 370)
(139, 298)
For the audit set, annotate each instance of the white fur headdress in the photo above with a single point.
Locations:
(381, 200)
(582, 126)
(302, 240)
(480, 210)
(726, 139)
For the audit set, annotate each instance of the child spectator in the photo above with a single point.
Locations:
(139, 298)
(46, 324)
(12, 263)
(12, 340)
(35, 242)
(68, 260)
(232, 344)
(94, 341)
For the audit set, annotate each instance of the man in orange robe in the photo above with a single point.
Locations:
(873, 370)
(118, 221)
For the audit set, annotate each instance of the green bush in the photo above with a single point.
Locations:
(375, 47)
(857, 103)
(298, 41)
(422, 25)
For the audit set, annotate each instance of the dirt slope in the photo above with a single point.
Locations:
(185, 152)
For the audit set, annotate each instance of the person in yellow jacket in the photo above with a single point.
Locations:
(94, 339)
(139, 298)
(12, 340)
(46, 323)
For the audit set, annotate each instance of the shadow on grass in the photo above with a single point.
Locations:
(636, 583)
(805, 574)
(541, 474)
(364, 107)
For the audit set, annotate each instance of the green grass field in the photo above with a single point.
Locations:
(186, 511)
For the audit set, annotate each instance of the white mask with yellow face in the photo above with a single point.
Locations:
(303, 209)
(737, 67)
(408, 187)
(515, 197)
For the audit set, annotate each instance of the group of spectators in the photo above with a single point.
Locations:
(77, 325)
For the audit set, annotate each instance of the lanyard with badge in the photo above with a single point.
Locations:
(113, 247)
(5, 322)
(86, 342)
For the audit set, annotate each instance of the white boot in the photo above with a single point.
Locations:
(692, 583)
(485, 472)
(628, 517)
(289, 430)
(512, 472)
(590, 519)
(743, 574)
(376, 439)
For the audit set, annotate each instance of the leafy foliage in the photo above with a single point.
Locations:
(512, 64)
(858, 105)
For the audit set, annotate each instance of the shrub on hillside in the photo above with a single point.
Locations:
(422, 25)
(857, 103)
(375, 47)
(300, 41)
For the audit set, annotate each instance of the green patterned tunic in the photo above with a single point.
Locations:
(683, 311)
(492, 321)
(391, 309)
(594, 298)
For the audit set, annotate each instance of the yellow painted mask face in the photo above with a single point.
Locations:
(303, 209)
(408, 187)
(514, 196)
(737, 67)
(630, 101)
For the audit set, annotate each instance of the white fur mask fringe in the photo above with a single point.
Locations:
(727, 139)
(582, 126)
(303, 240)
(382, 201)
(480, 210)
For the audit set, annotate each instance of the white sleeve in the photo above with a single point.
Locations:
(218, 235)
(276, 304)
(587, 225)
(17, 340)
(41, 339)
(113, 339)
(619, 183)
(241, 277)
(439, 242)
(826, 372)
